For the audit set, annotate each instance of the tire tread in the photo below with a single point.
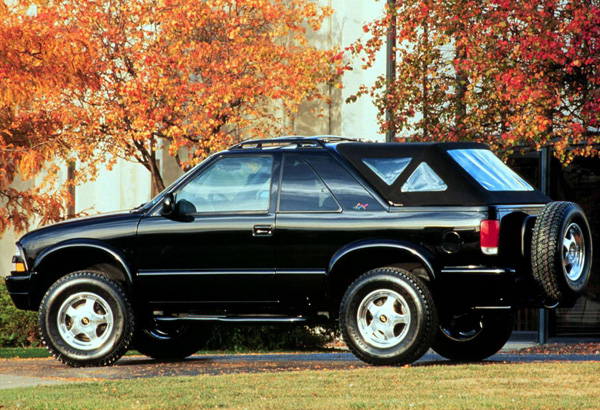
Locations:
(128, 331)
(546, 250)
(430, 325)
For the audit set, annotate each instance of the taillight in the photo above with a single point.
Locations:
(489, 236)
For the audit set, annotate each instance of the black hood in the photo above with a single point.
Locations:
(111, 228)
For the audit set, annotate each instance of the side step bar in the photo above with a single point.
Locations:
(231, 319)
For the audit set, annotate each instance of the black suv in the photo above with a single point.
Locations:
(408, 246)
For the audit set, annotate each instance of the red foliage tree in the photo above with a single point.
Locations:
(506, 72)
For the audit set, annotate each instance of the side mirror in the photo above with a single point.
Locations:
(168, 206)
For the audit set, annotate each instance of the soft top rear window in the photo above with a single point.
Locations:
(424, 179)
(388, 169)
(488, 170)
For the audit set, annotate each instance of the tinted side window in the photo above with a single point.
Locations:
(231, 184)
(302, 190)
(349, 193)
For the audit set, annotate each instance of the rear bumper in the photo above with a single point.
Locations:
(18, 289)
(477, 287)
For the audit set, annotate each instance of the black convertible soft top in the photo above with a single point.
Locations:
(461, 187)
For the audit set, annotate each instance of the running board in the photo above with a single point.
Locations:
(230, 319)
(492, 307)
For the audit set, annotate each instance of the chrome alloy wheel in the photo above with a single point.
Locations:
(383, 318)
(85, 321)
(165, 331)
(573, 252)
(463, 328)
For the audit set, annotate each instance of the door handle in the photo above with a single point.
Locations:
(262, 230)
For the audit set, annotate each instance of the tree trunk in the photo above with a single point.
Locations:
(424, 83)
(158, 185)
(461, 85)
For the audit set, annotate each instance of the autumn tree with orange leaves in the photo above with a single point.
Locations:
(195, 76)
(39, 58)
(510, 73)
(94, 81)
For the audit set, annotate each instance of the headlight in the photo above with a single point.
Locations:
(18, 261)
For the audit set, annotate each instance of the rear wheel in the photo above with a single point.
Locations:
(561, 251)
(474, 335)
(169, 341)
(387, 317)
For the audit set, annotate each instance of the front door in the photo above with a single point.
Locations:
(218, 247)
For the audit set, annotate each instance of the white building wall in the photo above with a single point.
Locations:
(7, 250)
(359, 119)
(125, 187)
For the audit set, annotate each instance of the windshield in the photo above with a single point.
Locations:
(157, 198)
(488, 170)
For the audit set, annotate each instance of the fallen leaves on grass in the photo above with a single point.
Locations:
(563, 348)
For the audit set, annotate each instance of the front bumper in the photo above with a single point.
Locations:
(18, 289)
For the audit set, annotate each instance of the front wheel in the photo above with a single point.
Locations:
(474, 335)
(387, 317)
(85, 319)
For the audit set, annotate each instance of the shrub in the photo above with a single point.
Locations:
(269, 338)
(18, 328)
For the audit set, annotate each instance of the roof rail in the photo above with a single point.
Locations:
(320, 141)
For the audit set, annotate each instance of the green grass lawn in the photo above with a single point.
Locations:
(476, 386)
(23, 352)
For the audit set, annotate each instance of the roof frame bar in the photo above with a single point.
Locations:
(320, 141)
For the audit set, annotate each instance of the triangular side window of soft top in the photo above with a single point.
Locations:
(388, 169)
(424, 179)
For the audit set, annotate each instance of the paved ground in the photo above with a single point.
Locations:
(30, 372)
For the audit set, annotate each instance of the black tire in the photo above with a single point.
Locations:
(561, 251)
(86, 319)
(169, 341)
(372, 313)
(473, 336)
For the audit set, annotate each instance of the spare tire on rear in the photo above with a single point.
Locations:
(561, 251)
